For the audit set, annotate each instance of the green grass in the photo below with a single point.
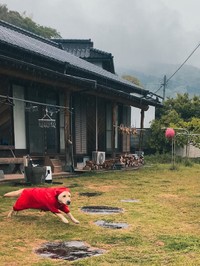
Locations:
(164, 226)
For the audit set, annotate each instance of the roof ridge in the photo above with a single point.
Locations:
(28, 33)
(100, 51)
(73, 40)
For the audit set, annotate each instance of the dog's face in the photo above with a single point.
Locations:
(65, 197)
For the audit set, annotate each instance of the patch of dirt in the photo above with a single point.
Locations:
(104, 188)
(90, 194)
(160, 243)
(169, 196)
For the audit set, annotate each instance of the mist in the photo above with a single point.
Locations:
(138, 33)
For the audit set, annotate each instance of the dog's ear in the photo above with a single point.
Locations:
(60, 190)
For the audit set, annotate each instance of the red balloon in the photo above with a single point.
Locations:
(169, 133)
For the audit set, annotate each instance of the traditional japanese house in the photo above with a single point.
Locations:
(84, 49)
(57, 107)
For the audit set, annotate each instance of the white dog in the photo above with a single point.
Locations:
(56, 200)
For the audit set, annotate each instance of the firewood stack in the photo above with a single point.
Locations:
(109, 164)
(126, 160)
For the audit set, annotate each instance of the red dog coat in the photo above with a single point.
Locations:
(45, 199)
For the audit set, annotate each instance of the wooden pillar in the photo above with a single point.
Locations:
(142, 119)
(96, 125)
(68, 138)
(141, 129)
(114, 123)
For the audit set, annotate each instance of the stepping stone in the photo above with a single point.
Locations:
(71, 250)
(111, 225)
(130, 200)
(101, 209)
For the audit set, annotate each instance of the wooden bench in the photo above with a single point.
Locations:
(8, 148)
(11, 160)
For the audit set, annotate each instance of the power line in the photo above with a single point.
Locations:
(178, 68)
(183, 63)
(159, 88)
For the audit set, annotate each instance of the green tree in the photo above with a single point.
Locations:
(25, 22)
(132, 79)
(185, 106)
(180, 112)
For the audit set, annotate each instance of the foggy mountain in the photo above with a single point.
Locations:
(186, 80)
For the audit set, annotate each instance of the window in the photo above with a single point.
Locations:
(6, 121)
(80, 126)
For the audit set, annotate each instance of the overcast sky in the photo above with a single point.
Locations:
(136, 32)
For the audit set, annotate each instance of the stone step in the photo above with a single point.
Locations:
(57, 169)
(56, 162)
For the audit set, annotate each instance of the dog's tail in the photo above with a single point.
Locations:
(15, 193)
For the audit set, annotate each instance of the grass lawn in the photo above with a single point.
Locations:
(164, 225)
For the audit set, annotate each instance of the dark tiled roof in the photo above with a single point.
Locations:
(30, 43)
(75, 43)
(82, 53)
(82, 48)
(25, 40)
(97, 51)
(87, 52)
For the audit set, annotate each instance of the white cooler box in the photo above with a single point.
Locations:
(48, 176)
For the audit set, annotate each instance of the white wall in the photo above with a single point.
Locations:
(19, 118)
(149, 115)
(190, 151)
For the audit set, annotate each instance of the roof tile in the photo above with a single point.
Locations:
(41, 46)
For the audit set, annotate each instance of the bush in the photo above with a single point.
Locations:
(158, 158)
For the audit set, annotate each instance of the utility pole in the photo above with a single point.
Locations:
(164, 86)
